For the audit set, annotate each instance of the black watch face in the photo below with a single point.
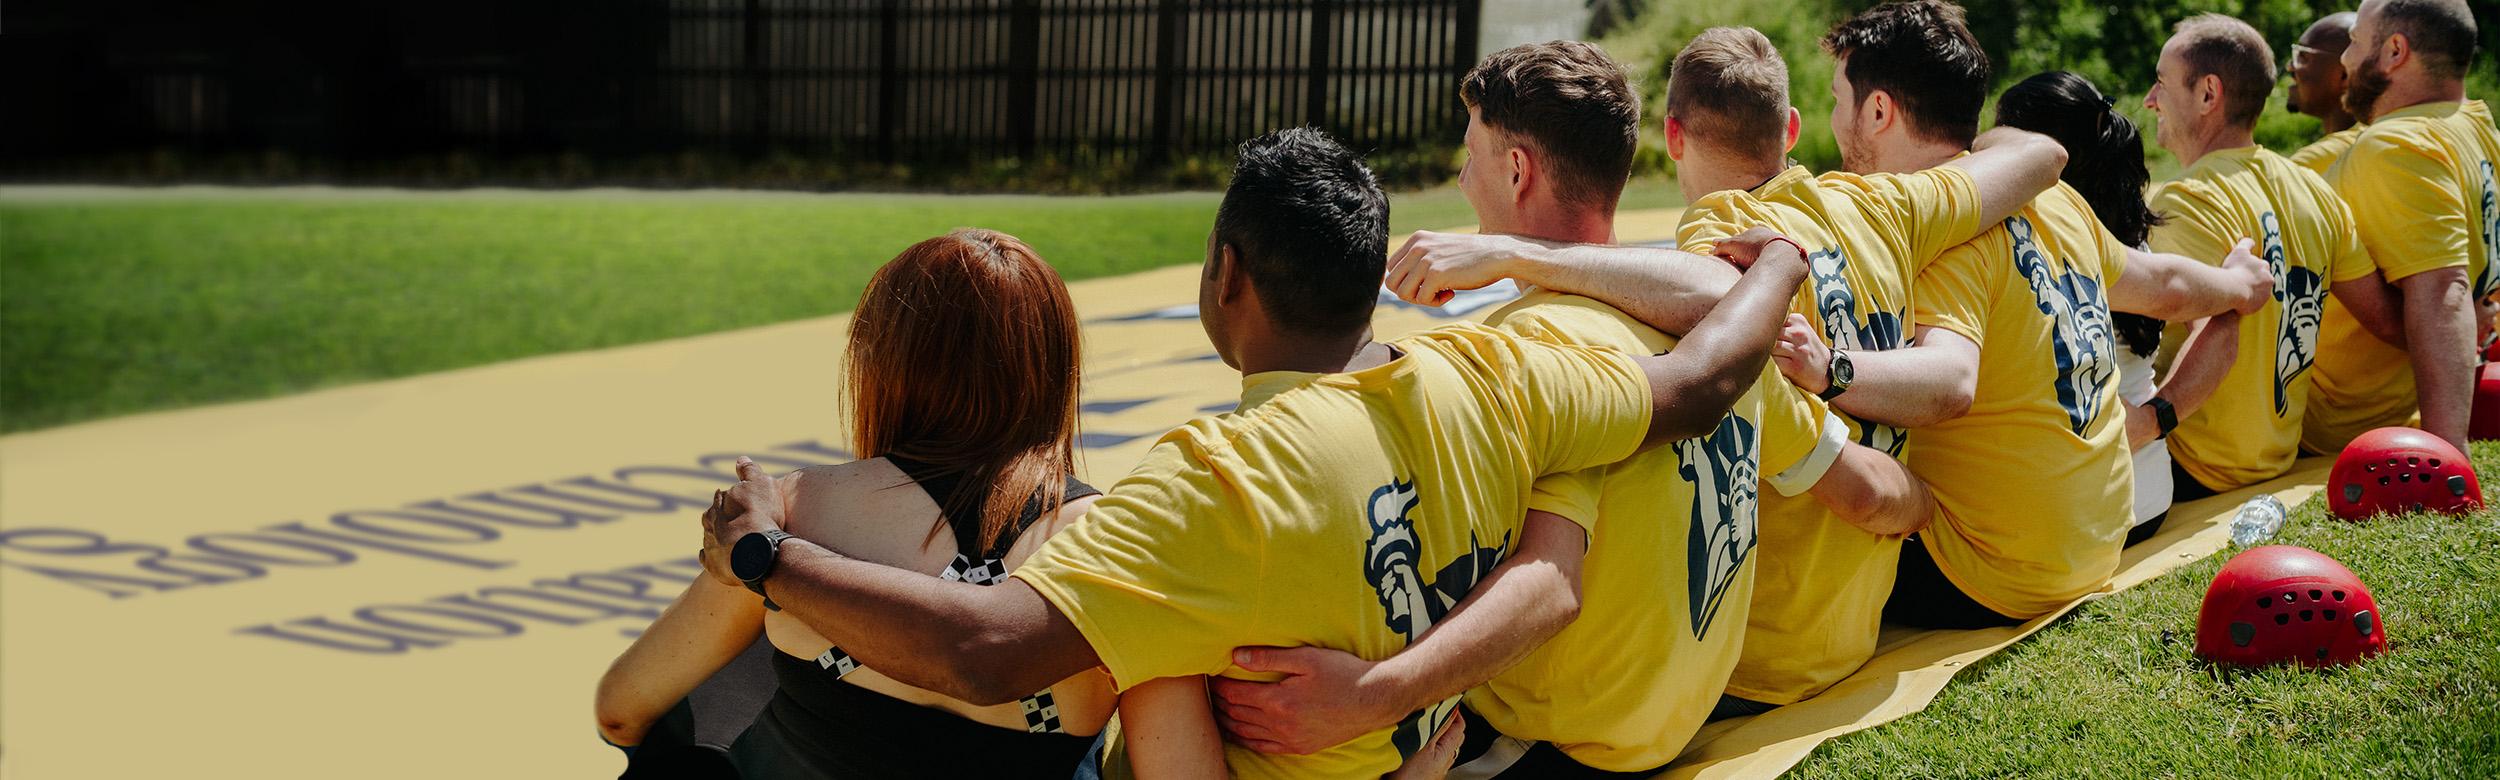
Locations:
(752, 558)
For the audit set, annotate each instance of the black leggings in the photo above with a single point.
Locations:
(2146, 530)
(2184, 487)
(1924, 598)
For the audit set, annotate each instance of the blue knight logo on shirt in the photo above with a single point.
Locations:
(1393, 563)
(2079, 317)
(2303, 296)
(1724, 467)
(1838, 307)
(2488, 282)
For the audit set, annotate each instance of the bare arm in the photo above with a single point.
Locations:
(2212, 347)
(2377, 305)
(2010, 167)
(1693, 386)
(1668, 289)
(1170, 729)
(2177, 289)
(1879, 495)
(984, 645)
(2439, 323)
(1930, 381)
(701, 632)
(1328, 697)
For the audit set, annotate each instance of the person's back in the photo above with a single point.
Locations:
(1823, 582)
(2249, 430)
(1670, 568)
(1341, 510)
(835, 718)
(2421, 185)
(2032, 294)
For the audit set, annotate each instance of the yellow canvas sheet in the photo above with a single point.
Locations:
(424, 577)
(1911, 666)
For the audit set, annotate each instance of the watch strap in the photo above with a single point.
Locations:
(2165, 417)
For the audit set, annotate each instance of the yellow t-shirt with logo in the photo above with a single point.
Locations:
(1820, 589)
(1348, 511)
(2249, 431)
(1667, 581)
(2421, 186)
(2322, 155)
(2034, 484)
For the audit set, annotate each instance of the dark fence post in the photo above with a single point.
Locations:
(889, 77)
(757, 94)
(1024, 63)
(1167, 79)
(1323, 24)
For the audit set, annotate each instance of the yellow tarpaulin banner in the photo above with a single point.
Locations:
(425, 577)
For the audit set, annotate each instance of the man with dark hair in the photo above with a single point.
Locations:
(1354, 501)
(2317, 89)
(2212, 79)
(2420, 183)
(1919, 67)
(1669, 574)
(2013, 331)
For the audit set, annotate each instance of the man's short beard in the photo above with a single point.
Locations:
(2362, 88)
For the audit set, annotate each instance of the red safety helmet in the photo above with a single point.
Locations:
(2280, 603)
(2401, 470)
(2485, 422)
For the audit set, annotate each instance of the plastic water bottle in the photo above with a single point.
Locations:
(2257, 521)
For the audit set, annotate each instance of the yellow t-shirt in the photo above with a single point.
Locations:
(1667, 581)
(1820, 589)
(2420, 184)
(2034, 485)
(2249, 431)
(2322, 155)
(1347, 511)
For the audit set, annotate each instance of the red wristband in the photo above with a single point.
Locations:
(1801, 248)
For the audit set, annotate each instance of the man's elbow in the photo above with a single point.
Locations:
(981, 670)
(619, 724)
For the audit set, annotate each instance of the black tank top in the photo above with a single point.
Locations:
(817, 726)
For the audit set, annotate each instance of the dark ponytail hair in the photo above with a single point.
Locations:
(2104, 163)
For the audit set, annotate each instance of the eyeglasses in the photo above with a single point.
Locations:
(2301, 54)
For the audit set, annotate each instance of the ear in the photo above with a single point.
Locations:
(1522, 172)
(1876, 114)
(2209, 94)
(1675, 139)
(1225, 272)
(2399, 51)
(1796, 125)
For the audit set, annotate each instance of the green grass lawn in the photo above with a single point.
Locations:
(2115, 691)
(112, 303)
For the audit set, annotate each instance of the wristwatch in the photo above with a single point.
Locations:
(1840, 374)
(2165, 417)
(752, 560)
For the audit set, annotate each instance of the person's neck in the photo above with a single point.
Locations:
(1576, 226)
(2221, 136)
(1311, 353)
(2337, 121)
(1720, 174)
(1920, 154)
(2408, 93)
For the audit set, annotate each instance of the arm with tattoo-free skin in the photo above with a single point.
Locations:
(1667, 289)
(1695, 385)
(2009, 167)
(1327, 697)
(983, 645)
(1927, 382)
(2212, 346)
(2439, 315)
(2178, 289)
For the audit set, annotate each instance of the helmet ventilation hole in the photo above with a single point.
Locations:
(2264, 602)
(2316, 595)
(2306, 616)
(2365, 621)
(2282, 619)
(2352, 492)
(2330, 614)
(2339, 595)
(2434, 463)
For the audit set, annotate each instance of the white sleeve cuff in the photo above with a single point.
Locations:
(1801, 477)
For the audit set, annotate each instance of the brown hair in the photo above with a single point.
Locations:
(2441, 31)
(1730, 87)
(1921, 52)
(2229, 49)
(964, 355)
(1568, 101)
